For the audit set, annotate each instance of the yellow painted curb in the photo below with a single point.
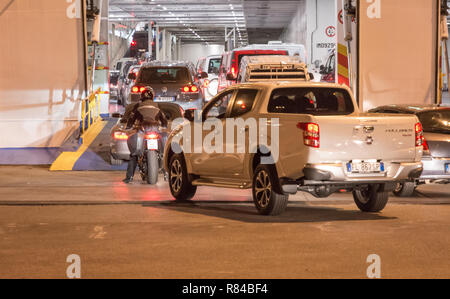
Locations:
(66, 161)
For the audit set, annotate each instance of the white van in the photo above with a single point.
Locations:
(273, 68)
(211, 66)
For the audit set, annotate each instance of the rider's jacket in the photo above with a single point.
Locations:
(146, 113)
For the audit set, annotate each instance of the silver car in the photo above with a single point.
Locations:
(436, 159)
(173, 82)
(119, 135)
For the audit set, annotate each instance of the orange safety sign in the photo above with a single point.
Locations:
(343, 73)
(100, 68)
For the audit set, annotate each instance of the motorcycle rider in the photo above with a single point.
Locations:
(144, 113)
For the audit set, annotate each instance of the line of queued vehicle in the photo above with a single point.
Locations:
(337, 146)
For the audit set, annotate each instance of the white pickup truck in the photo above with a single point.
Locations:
(324, 145)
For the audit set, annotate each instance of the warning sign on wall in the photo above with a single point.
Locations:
(330, 31)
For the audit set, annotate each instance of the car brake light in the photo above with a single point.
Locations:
(152, 136)
(137, 89)
(192, 88)
(419, 134)
(120, 136)
(425, 145)
(311, 134)
(233, 71)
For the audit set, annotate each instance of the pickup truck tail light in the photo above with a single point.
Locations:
(137, 89)
(120, 136)
(426, 148)
(311, 134)
(419, 135)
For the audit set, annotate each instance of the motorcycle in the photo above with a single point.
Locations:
(150, 150)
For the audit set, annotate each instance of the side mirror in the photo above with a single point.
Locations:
(311, 76)
(132, 76)
(203, 75)
(189, 115)
(230, 77)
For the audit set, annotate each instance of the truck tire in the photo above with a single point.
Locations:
(265, 196)
(405, 189)
(370, 199)
(179, 183)
(152, 167)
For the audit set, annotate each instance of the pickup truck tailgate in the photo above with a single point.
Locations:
(365, 136)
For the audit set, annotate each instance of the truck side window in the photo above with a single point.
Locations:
(244, 102)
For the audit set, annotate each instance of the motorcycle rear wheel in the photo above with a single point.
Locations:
(152, 167)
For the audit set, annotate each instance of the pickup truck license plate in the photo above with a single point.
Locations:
(152, 144)
(164, 99)
(365, 167)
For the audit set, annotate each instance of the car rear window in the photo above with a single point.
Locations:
(256, 54)
(315, 101)
(164, 75)
(437, 121)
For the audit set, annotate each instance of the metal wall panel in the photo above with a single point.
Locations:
(397, 52)
(42, 73)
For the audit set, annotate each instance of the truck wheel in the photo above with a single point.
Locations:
(115, 161)
(370, 199)
(405, 189)
(152, 167)
(267, 200)
(180, 186)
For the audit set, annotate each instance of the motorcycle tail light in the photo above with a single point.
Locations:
(120, 136)
(152, 136)
(311, 134)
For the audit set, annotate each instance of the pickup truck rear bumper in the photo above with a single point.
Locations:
(323, 179)
(338, 172)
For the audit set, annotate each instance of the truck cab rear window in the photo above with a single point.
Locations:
(315, 101)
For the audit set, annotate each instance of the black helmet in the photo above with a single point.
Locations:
(148, 94)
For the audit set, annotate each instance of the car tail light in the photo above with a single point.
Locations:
(311, 134)
(205, 83)
(120, 136)
(152, 136)
(192, 88)
(419, 134)
(137, 89)
(233, 71)
(425, 145)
